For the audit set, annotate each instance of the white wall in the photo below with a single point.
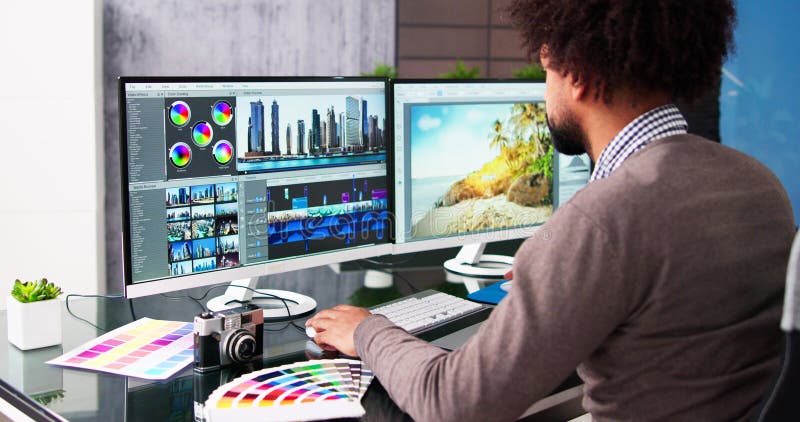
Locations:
(51, 180)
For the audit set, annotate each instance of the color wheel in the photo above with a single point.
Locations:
(202, 134)
(179, 113)
(180, 155)
(222, 113)
(223, 152)
(312, 390)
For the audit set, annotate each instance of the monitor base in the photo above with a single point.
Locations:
(269, 300)
(492, 266)
(374, 279)
(471, 261)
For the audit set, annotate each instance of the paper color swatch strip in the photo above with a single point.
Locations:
(320, 389)
(146, 348)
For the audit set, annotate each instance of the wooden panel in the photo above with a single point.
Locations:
(506, 44)
(443, 12)
(441, 42)
(434, 67)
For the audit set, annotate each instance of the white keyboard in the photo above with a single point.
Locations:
(428, 309)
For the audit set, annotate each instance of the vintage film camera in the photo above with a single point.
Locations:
(227, 337)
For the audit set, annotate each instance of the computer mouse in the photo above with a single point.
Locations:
(311, 332)
(505, 286)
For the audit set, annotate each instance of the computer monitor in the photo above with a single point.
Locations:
(473, 163)
(232, 178)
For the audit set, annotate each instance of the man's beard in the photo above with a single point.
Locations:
(568, 137)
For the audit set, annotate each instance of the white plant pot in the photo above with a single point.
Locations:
(35, 324)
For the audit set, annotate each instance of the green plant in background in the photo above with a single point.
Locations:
(532, 71)
(382, 70)
(34, 291)
(48, 397)
(462, 72)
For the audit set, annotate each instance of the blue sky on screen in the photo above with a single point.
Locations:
(453, 140)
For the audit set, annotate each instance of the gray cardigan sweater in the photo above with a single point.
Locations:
(662, 284)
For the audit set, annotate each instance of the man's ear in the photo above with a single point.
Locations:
(577, 88)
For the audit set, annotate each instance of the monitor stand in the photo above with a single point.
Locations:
(471, 261)
(274, 309)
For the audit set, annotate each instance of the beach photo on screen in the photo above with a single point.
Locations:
(479, 167)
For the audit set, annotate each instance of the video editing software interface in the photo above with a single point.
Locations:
(476, 157)
(224, 174)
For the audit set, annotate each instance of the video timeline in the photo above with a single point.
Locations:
(325, 216)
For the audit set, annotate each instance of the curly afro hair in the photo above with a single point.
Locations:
(671, 46)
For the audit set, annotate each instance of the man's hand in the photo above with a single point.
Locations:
(336, 327)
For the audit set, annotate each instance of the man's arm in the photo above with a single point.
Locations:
(568, 294)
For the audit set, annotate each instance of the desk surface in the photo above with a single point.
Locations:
(30, 385)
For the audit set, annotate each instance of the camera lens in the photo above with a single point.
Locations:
(241, 346)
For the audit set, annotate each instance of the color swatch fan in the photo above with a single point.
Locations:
(313, 390)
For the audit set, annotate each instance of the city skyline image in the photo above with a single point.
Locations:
(198, 218)
(294, 128)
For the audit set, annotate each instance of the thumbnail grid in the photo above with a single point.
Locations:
(202, 228)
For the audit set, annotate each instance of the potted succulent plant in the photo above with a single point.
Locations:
(34, 316)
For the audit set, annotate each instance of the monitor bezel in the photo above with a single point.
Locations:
(173, 283)
(459, 239)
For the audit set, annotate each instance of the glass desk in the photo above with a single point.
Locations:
(46, 392)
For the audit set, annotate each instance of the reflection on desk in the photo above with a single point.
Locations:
(92, 396)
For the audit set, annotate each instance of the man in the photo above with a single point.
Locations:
(661, 281)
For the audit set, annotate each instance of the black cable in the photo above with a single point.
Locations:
(130, 305)
(262, 296)
(285, 326)
(292, 323)
(413, 288)
(168, 297)
(392, 273)
(299, 328)
(69, 311)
